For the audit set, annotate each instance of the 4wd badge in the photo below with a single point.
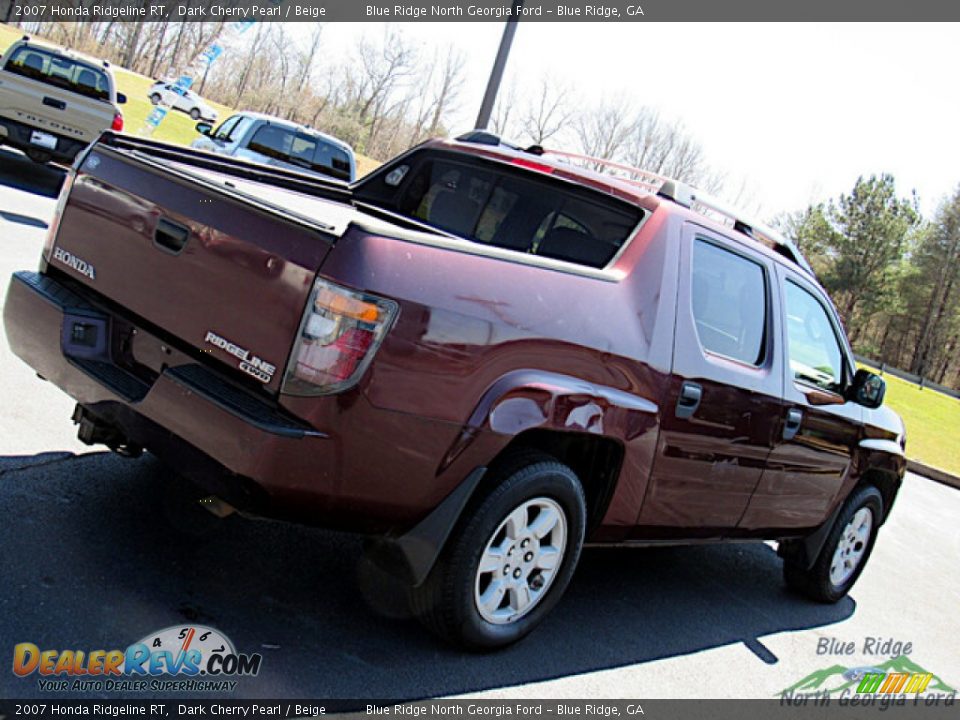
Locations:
(249, 363)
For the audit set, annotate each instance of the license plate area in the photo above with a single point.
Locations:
(44, 140)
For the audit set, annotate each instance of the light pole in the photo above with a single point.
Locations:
(499, 64)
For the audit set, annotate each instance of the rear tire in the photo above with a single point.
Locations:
(845, 552)
(527, 530)
(195, 114)
(155, 98)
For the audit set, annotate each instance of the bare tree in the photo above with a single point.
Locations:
(548, 111)
(604, 131)
(501, 120)
(448, 88)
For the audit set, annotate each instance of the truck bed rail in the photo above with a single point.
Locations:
(277, 177)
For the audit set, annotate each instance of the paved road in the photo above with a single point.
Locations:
(90, 559)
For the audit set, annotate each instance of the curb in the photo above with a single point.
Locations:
(933, 473)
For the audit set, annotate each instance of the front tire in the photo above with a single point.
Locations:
(155, 98)
(509, 560)
(195, 114)
(844, 554)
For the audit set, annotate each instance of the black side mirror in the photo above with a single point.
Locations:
(204, 128)
(868, 389)
(121, 99)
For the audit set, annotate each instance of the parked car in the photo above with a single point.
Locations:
(189, 102)
(479, 356)
(54, 102)
(274, 141)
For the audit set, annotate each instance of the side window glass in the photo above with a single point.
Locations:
(815, 355)
(223, 132)
(239, 130)
(729, 301)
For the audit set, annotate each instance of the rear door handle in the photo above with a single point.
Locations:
(54, 103)
(689, 399)
(791, 425)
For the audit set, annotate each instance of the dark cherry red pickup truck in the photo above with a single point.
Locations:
(480, 356)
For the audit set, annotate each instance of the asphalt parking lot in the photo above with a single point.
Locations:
(91, 556)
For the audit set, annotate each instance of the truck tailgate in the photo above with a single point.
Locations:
(217, 271)
(48, 108)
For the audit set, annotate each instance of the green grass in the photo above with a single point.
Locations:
(933, 423)
(177, 127)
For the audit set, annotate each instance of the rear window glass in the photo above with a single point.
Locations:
(729, 297)
(479, 202)
(59, 71)
(307, 151)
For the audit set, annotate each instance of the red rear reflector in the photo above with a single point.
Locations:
(117, 123)
(540, 167)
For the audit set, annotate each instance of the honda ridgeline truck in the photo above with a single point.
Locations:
(479, 356)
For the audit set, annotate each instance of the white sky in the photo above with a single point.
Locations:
(798, 110)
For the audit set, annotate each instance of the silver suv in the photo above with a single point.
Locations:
(274, 141)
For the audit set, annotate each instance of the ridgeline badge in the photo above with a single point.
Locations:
(180, 652)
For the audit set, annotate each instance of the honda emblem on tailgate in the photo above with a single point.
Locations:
(74, 263)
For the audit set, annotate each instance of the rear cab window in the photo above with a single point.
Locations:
(298, 148)
(487, 203)
(59, 71)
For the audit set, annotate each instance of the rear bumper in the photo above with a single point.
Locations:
(17, 134)
(241, 446)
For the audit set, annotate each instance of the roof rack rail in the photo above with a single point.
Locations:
(679, 192)
(635, 176)
(690, 197)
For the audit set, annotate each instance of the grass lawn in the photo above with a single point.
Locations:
(177, 127)
(933, 423)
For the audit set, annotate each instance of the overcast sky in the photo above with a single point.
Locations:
(798, 110)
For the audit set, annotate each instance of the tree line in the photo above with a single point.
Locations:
(894, 274)
(383, 95)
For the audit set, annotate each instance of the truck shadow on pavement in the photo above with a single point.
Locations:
(93, 561)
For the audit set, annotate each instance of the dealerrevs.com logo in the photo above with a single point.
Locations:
(192, 658)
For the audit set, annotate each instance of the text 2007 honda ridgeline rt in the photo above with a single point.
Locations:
(481, 356)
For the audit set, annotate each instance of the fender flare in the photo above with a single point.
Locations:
(518, 401)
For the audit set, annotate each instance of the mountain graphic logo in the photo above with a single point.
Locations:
(837, 678)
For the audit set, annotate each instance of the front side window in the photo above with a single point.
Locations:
(226, 128)
(815, 355)
(729, 302)
(59, 71)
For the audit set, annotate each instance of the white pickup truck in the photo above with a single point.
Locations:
(53, 102)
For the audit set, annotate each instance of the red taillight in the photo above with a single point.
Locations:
(339, 336)
(117, 122)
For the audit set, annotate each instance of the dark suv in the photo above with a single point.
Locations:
(480, 356)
